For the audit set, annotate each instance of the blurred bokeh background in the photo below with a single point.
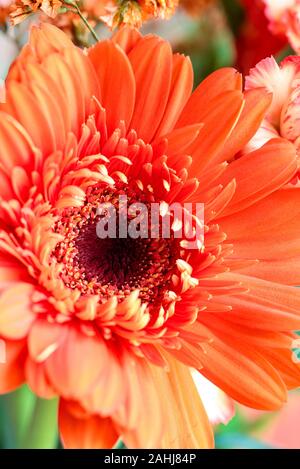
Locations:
(214, 34)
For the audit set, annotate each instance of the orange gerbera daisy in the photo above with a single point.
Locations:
(112, 327)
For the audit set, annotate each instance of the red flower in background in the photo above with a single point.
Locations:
(256, 41)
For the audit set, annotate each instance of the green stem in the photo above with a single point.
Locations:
(120, 445)
(85, 21)
(16, 411)
(42, 429)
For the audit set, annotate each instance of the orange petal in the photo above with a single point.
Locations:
(67, 80)
(25, 108)
(281, 359)
(37, 380)
(16, 146)
(185, 420)
(278, 271)
(152, 89)
(88, 432)
(266, 305)
(139, 420)
(181, 89)
(268, 229)
(127, 38)
(116, 80)
(219, 121)
(75, 357)
(44, 338)
(259, 173)
(225, 79)
(243, 374)
(16, 314)
(257, 103)
(12, 371)
(86, 75)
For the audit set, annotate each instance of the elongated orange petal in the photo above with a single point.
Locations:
(258, 174)
(88, 432)
(12, 371)
(181, 89)
(245, 376)
(16, 314)
(114, 72)
(225, 79)
(217, 127)
(152, 90)
(267, 230)
(256, 104)
(185, 420)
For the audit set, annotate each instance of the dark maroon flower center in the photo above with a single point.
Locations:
(111, 266)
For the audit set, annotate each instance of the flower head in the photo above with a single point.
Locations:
(112, 326)
(23, 8)
(135, 12)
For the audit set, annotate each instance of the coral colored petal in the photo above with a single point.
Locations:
(86, 74)
(26, 109)
(12, 371)
(257, 102)
(152, 89)
(37, 379)
(73, 358)
(243, 374)
(267, 230)
(127, 38)
(180, 139)
(278, 271)
(117, 82)
(45, 39)
(44, 338)
(181, 89)
(16, 314)
(186, 422)
(225, 79)
(266, 306)
(16, 146)
(67, 80)
(287, 364)
(140, 420)
(89, 432)
(219, 121)
(258, 174)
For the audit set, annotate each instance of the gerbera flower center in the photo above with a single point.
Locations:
(111, 266)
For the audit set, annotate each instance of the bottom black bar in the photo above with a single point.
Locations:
(149, 458)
